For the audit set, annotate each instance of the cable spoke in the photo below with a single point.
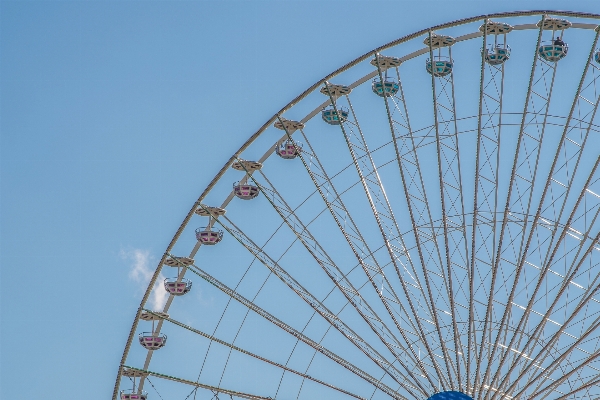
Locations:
(374, 191)
(507, 214)
(451, 189)
(317, 305)
(341, 281)
(553, 186)
(300, 336)
(418, 205)
(595, 382)
(485, 202)
(511, 314)
(248, 353)
(354, 238)
(199, 385)
(565, 375)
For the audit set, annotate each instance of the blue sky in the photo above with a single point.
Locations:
(114, 117)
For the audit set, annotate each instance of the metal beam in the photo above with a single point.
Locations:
(200, 385)
(298, 335)
(504, 221)
(341, 281)
(248, 353)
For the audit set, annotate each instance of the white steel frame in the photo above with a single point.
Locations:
(506, 346)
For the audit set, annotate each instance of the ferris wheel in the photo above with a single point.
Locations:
(420, 224)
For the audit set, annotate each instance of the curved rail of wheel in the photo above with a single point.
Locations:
(304, 94)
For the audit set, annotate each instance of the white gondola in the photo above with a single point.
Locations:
(333, 116)
(177, 287)
(133, 395)
(442, 66)
(496, 54)
(245, 191)
(207, 236)
(152, 341)
(388, 88)
(553, 51)
(288, 149)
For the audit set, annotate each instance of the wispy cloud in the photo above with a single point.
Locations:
(140, 271)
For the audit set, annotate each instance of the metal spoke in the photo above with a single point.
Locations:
(317, 305)
(566, 375)
(487, 165)
(450, 182)
(199, 385)
(472, 339)
(503, 228)
(380, 209)
(248, 353)
(549, 182)
(353, 236)
(420, 236)
(341, 281)
(562, 291)
(552, 181)
(495, 300)
(299, 335)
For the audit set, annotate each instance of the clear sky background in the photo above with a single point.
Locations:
(114, 117)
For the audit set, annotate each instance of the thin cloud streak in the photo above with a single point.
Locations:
(140, 272)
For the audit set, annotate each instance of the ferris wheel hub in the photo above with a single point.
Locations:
(450, 395)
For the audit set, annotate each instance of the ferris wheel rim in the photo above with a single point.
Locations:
(277, 116)
(365, 56)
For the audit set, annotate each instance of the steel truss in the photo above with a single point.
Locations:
(492, 295)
